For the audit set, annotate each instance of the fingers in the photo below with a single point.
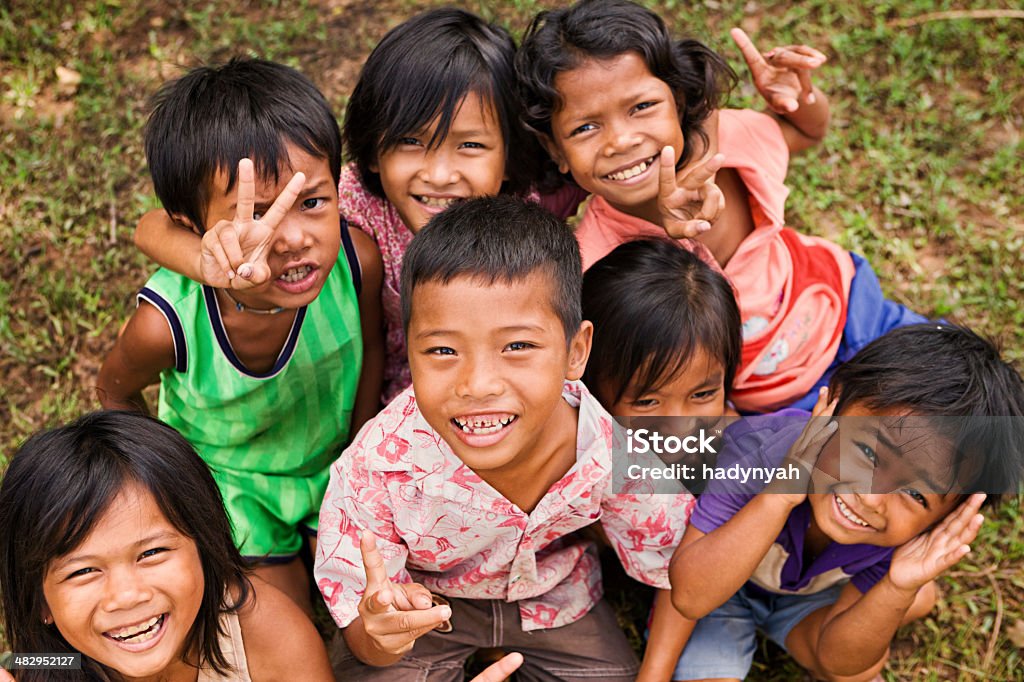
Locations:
(246, 194)
(497, 672)
(373, 563)
(7, 677)
(402, 624)
(285, 200)
(823, 407)
(754, 59)
(212, 244)
(412, 597)
(703, 173)
(667, 173)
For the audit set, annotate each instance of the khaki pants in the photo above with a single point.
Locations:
(592, 648)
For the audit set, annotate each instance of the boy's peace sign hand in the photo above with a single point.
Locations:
(234, 252)
(689, 201)
(394, 615)
(782, 75)
(925, 557)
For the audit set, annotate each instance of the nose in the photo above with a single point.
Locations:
(291, 235)
(478, 378)
(871, 501)
(620, 136)
(439, 168)
(125, 589)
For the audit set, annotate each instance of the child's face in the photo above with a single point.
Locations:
(615, 119)
(129, 594)
(306, 242)
(421, 182)
(488, 363)
(697, 390)
(876, 479)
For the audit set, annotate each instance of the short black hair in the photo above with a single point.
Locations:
(653, 305)
(952, 374)
(210, 118)
(497, 239)
(59, 484)
(562, 39)
(421, 71)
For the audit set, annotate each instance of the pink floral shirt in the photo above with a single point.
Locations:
(440, 524)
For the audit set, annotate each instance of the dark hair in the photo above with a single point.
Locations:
(950, 373)
(654, 304)
(213, 116)
(421, 71)
(62, 481)
(562, 39)
(497, 239)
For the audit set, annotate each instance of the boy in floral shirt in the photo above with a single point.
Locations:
(474, 480)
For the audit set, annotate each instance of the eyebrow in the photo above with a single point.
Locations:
(149, 539)
(511, 329)
(898, 451)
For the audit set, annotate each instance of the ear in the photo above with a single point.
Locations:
(579, 350)
(182, 219)
(374, 166)
(47, 614)
(554, 151)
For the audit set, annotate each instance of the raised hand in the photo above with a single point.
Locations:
(689, 201)
(234, 252)
(805, 451)
(394, 615)
(925, 557)
(496, 672)
(781, 75)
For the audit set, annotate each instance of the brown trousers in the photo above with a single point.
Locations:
(592, 648)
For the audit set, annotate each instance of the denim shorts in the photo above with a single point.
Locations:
(724, 641)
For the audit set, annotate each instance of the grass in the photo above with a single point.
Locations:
(921, 172)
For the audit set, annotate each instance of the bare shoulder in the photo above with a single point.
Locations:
(280, 641)
(368, 254)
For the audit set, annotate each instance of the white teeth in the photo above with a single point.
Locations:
(848, 513)
(296, 274)
(143, 632)
(630, 172)
(436, 202)
(483, 426)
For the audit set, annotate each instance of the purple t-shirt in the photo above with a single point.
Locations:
(762, 441)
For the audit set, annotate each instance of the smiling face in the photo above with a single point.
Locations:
(421, 182)
(696, 390)
(306, 242)
(879, 480)
(488, 364)
(615, 119)
(128, 595)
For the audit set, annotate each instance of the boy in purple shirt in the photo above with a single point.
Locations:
(831, 572)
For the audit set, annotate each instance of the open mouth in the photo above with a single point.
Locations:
(436, 202)
(632, 171)
(483, 425)
(292, 275)
(139, 633)
(849, 515)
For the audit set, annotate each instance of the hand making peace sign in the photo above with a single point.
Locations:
(688, 200)
(782, 75)
(234, 252)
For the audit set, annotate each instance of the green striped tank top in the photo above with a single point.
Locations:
(291, 420)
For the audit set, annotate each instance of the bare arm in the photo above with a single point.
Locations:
(709, 568)
(858, 630)
(171, 244)
(143, 349)
(281, 643)
(670, 631)
(783, 77)
(367, 402)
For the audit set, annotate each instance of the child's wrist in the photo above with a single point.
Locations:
(906, 593)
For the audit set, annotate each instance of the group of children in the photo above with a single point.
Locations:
(407, 369)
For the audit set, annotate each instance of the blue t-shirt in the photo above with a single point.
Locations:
(763, 441)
